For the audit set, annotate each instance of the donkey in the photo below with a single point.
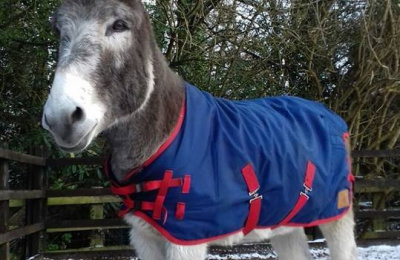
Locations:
(112, 78)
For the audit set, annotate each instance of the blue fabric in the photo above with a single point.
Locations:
(277, 136)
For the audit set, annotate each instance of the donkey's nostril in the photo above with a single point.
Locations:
(77, 115)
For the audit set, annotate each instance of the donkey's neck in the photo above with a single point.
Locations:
(135, 139)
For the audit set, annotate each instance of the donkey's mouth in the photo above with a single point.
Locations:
(82, 144)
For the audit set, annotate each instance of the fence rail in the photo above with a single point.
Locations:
(37, 198)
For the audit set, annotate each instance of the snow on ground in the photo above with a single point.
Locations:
(382, 252)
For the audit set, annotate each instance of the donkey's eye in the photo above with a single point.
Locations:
(119, 26)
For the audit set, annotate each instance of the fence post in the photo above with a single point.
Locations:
(4, 208)
(36, 209)
(378, 200)
(97, 236)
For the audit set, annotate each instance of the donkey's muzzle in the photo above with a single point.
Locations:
(71, 129)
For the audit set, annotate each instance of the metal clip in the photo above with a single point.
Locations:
(304, 194)
(138, 187)
(254, 191)
(256, 197)
(307, 189)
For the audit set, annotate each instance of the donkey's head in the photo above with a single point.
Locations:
(104, 72)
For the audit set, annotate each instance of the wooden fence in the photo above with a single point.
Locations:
(37, 198)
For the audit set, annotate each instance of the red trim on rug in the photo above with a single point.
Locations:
(174, 240)
(320, 221)
(170, 139)
(177, 241)
(163, 147)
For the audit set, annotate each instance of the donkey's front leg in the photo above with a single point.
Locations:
(177, 252)
(148, 244)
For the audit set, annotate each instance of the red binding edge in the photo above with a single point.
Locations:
(350, 176)
(161, 149)
(177, 241)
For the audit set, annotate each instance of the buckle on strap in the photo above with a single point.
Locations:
(306, 188)
(305, 195)
(256, 197)
(251, 179)
(138, 187)
(252, 193)
(255, 201)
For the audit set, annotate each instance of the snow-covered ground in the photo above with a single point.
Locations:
(382, 252)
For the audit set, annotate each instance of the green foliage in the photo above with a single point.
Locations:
(60, 242)
(25, 57)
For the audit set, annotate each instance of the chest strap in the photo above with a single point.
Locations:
(130, 204)
(255, 199)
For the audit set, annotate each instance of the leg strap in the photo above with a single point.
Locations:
(255, 200)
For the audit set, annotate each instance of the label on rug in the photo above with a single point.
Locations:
(343, 199)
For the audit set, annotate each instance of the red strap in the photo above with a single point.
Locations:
(180, 210)
(186, 184)
(126, 190)
(146, 205)
(254, 215)
(351, 178)
(301, 202)
(158, 205)
(310, 174)
(149, 186)
(154, 185)
(255, 203)
(129, 203)
(250, 178)
(123, 212)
